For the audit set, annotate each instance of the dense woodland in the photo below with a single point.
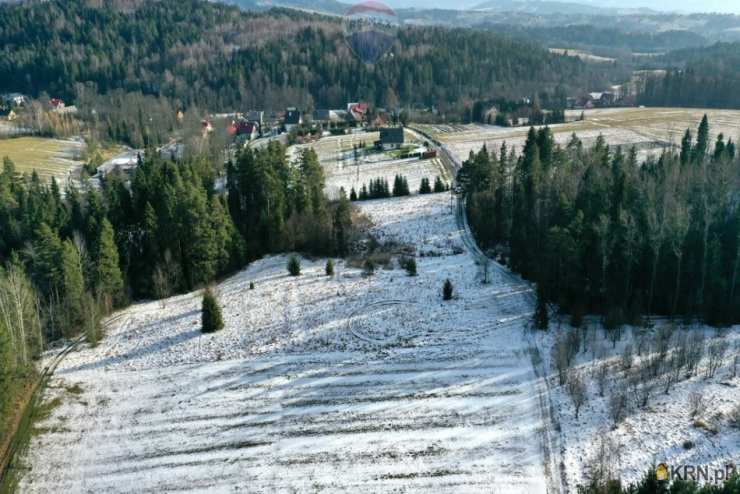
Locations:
(604, 40)
(600, 233)
(67, 259)
(706, 78)
(198, 53)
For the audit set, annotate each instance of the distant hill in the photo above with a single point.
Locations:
(706, 77)
(539, 7)
(590, 37)
(219, 57)
(320, 6)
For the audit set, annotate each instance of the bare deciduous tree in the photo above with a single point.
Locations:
(697, 406)
(696, 352)
(627, 357)
(161, 283)
(671, 372)
(577, 390)
(716, 354)
(606, 457)
(617, 407)
(601, 374)
(19, 315)
(562, 356)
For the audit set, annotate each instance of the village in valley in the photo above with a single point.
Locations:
(480, 386)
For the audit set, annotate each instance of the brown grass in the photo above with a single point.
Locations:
(49, 157)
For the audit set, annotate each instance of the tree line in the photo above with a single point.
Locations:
(380, 189)
(599, 232)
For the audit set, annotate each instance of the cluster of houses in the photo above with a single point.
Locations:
(10, 103)
(618, 95)
(356, 114)
(255, 123)
(602, 99)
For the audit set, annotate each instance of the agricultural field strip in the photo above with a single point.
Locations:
(651, 128)
(49, 157)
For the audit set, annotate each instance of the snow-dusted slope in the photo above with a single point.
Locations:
(317, 384)
(662, 430)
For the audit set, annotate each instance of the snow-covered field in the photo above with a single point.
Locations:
(349, 175)
(343, 168)
(317, 384)
(651, 130)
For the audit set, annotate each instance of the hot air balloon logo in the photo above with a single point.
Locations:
(370, 29)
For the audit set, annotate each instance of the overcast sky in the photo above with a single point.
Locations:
(732, 6)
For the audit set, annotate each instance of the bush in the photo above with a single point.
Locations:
(409, 264)
(294, 266)
(212, 320)
(251, 285)
(329, 269)
(734, 418)
(447, 290)
(697, 406)
(368, 268)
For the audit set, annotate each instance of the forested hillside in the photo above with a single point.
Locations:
(600, 233)
(214, 56)
(603, 39)
(705, 78)
(65, 260)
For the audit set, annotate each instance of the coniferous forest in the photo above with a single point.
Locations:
(619, 238)
(69, 258)
(204, 54)
(708, 78)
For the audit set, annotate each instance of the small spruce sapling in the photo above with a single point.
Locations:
(212, 319)
(410, 266)
(447, 290)
(294, 266)
(329, 267)
(439, 185)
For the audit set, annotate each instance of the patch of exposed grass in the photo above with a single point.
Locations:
(75, 389)
(27, 428)
(42, 412)
(49, 157)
